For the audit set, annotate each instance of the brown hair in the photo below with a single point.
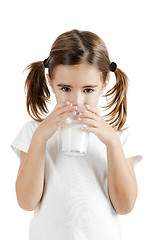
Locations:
(70, 48)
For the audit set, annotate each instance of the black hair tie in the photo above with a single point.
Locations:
(45, 63)
(113, 66)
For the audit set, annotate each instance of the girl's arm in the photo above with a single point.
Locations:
(122, 184)
(30, 179)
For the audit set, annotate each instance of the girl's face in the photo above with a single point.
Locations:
(79, 84)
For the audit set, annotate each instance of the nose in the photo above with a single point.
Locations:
(77, 99)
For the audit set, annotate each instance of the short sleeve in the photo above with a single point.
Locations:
(131, 141)
(23, 139)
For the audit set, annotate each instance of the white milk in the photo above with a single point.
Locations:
(74, 140)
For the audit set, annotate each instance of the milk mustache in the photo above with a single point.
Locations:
(74, 140)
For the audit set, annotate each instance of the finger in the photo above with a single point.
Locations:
(90, 122)
(62, 104)
(89, 129)
(88, 114)
(63, 118)
(64, 109)
(93, 109)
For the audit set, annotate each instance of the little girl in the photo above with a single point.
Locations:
(76, 198)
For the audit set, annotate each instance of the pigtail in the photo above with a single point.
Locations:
(37, 91)
(118, 102)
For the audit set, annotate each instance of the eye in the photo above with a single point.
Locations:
(66, 89)
(90, 90)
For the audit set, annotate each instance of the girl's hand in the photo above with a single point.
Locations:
(56, 119)
(98, 125)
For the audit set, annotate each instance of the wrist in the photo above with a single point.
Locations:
(38, 137)
(114, 141)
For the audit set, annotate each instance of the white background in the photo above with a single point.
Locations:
(130, 30)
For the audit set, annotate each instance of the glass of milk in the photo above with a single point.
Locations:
(74, 140)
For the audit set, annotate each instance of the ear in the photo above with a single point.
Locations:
(50, 82)
(105, 85)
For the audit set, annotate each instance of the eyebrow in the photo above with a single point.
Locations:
(64, 85)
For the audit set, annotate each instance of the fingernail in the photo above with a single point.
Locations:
(88, 106)
(74, 106)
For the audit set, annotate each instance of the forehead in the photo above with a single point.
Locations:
(82, 72)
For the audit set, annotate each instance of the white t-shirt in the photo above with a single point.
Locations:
(75, 204)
